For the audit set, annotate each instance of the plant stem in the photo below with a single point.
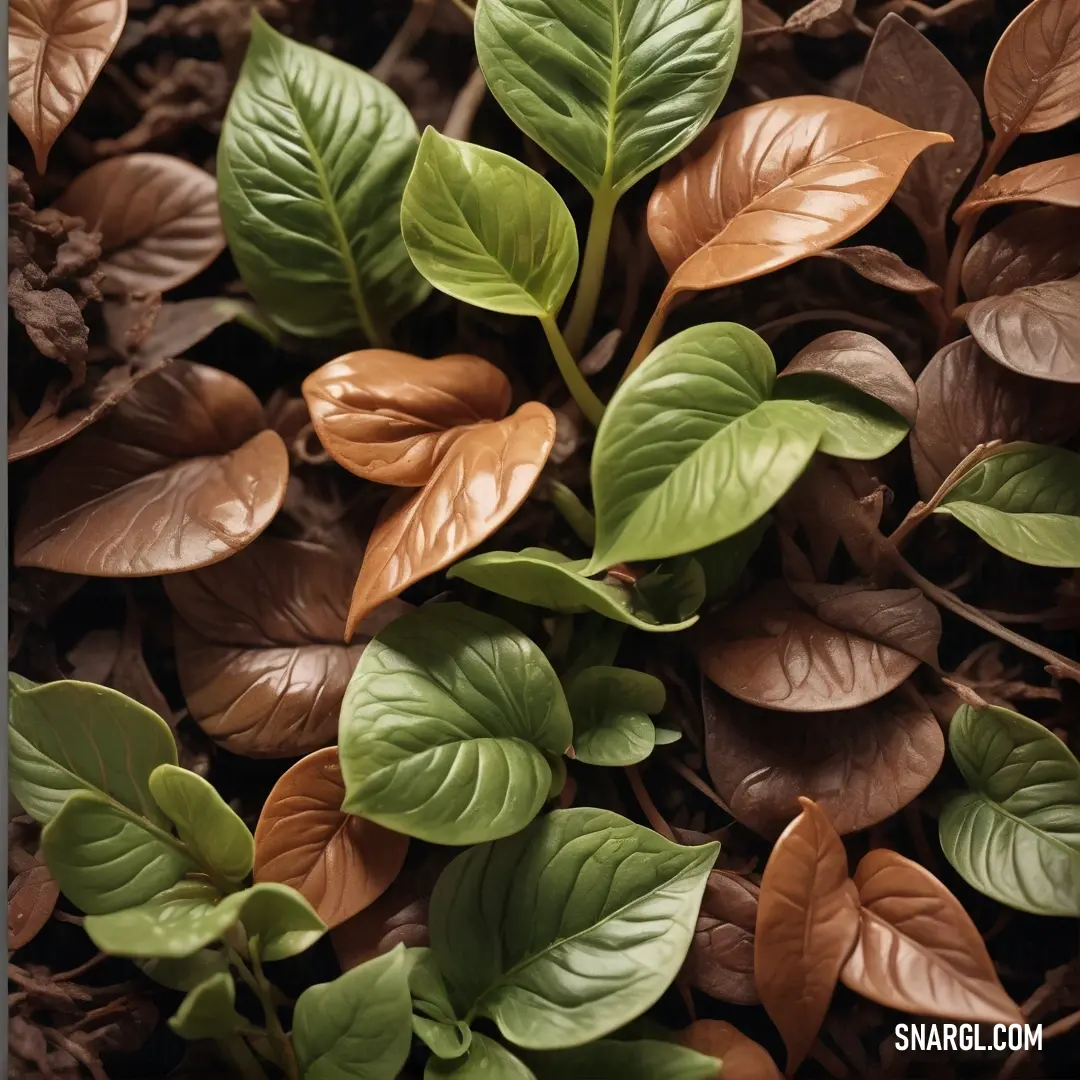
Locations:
(580, 391)
(573, 512)
(239, 1055)
(263, 989)
(592, 269)
(648, 807)
(468, 12)
(650, 336)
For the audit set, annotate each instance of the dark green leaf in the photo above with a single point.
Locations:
(610, 1059)
(486, 1060)
(444, 1039)
(209, 1010)
(611, 708)
(674, 590)
(724, 562)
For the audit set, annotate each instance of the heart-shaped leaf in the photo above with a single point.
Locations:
(1034, 330)
(525, 956)
(611, 708)
(56, 50)
(611, 89)
(774, 183)
(485, 1057)
(1016, 835)
(1024, 501)
(918, 950)
(446, 724)
(179, 475)
(860, 765)
(312, 163)
(158, 218)
(615, 1059)
(731, 451)
(1056, 182)
(488, 230)
(209, 1010)
(482, 479)
(338, 862)
(390, 417)
(742, 1058)
(807, 924)
(550, 580)
(1033, 77)
(721, 958)
(32, 896)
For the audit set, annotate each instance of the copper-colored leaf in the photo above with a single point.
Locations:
(1034, 330)
(338, 862)
(56, 49)
(1033, 77)
(822, 19)
(774, 183)
(918, 950)
(481, 480)
(720, 962)
(158, 219)
(390, 417)
(807, 922)
(259, 649)
(860, 361)
(743, 1059)
(861, 765)
(883, 267)
(1055, 182)
(32, 895)
(1025, 249)
(907, 78)
(966, 399)
(179, 475)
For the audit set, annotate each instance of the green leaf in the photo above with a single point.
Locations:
(858, 426)
(488, 230)
(104, 860)
(71, 736)
(204, 821)
(445, 724)
(356, 1027)
(550, 580)
(486, 1060)
(674, 590)
(568, 930)
(312, 163)
(184, 973)
(611, 708)
(724, 562)
(209, 1010)
(1016, 835)
(666, 736)
(726, 456)
(444, 1035)
(612, 1059)
(1025, 502)
(610, 88)
(279, 921)
(445, 1039)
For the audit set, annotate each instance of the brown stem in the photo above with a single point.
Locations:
(648, 807)
(695, 781)
(462, 113)
(774, 326)
(412, 30)
(651, 334)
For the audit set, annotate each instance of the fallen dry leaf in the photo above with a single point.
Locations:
(1055, 182)
(743, 1059)
(883, 267)
(32, 895)
(720, 962)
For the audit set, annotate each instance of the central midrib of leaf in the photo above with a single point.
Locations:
(1049, 837)
(606, 181)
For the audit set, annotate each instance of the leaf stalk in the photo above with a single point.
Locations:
(591, 279)
(580, 391)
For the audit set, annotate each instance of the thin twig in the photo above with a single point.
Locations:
(695, 781)
(468, 12)
(648, 807)
(402, 43)
(774, 326)
(463, 112)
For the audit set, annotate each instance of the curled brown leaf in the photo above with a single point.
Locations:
(1055, 182)
(32, 895)
(883, 267)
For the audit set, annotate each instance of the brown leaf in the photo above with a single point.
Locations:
(918, 950)
(1055, 182)
(179, 475)
(743, 1059)
(1025, 249)
(774, 183)
(56, 49)
(391, 417)
(1034, 330)
(32, 895)
(860, 361)
(1033, 77)
(966, 399)
(158, 217)
(807, 923)
(907, 78)
(720, 962)
(480, 482)
(883, 267)
(170, 332)
(52, 320)
(822, 18)
(861, 765)
(338, 862)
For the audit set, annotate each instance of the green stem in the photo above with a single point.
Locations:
(264, 991)
(239, 1055)
(592, 269)
(580, 391)
(573, 512)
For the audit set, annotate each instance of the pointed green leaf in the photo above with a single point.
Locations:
(611, 708)
(488, 230)
(611, 1059)
(312, 163)
(209, 1010)
(1016, 835)
(445, 726)
(1024, 501)
(486, 1060)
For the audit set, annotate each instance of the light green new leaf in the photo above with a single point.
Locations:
(279, 921)
(550, 580)
(488, 230)
(568, 930)
(486, 1060)
(71, 736)
(204, 821)
(184, 973)
(612, 1059)
(1024, 501)
(104, 860)
(611, 708)
(692, 450)
(356, 1027)
(209, 1010)
(1016, 835)
(445, 726)
(312, 163)
(610, 88)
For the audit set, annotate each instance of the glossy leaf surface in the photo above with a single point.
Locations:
(485, 1058)
(209, 1010)
(611, 708)
(1056, 182)
(741, 1057)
